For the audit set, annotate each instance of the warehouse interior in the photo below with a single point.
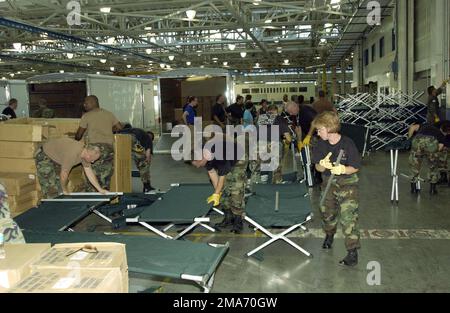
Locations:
(145, 61)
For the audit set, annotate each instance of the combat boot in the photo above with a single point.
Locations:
(414, 189)
(227, 220)
(328, 242)
(444, 179)
(148, 187)
(433, 189)
(237, 224)
(351, 259)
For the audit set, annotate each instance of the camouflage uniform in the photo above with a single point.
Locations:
(138, 154)
(443, 158)
(424, 147)
(103, 167)
(342, 202)
(48, 175)
(233, 193)
(11, 231)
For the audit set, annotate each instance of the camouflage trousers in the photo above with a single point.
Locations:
(10, 230)
(103, 167)
(142, 165)
(48, 175)
(443, 158)
(424, 147)
(234, 191)
(342, 203)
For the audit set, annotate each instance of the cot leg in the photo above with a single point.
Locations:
(155, 230)
(186, 230)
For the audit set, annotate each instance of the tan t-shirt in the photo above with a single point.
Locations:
(99, 124)
(321, 106)
(66, 152)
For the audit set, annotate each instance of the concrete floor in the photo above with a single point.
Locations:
(410, 241)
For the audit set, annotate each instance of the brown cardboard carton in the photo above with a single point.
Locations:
(17, 263)
(18, 209)
(76, 181)
(23, 198)
(17, 183)
(12, 165)
(121, 180)
(77, 280)
(17, 149)
(98, 255)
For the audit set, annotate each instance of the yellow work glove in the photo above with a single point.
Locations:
(300, 146)
(214, 199)
(307, 140)
(338, 170)
(326, 162)
(436, 119)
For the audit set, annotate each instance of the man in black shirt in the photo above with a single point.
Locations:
(306, 116)
(428, 142)
(218, 112)
(341, 201)
(236, 111)
(264, 107)
(226, 163)
(433, 109)
(142, 149)
(11, 108)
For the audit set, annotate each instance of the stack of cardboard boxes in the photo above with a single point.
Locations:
(69, 268)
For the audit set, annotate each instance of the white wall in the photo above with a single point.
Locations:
(15, 89)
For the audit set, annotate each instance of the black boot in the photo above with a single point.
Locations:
(444, 179)
(148, 187)
(237, 224)
(328, 242)
(414, 188)
(227, 220)
(433, 189)
(351, 259)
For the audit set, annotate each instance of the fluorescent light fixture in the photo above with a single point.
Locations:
(243, 54)
(171, 57)
(128, 65)
(202, 66)
(268, 21)
(188, 63)
(124, 59)
(11, 74)
(3, 78)
(323, 40)
(103, 61)
(19, 72)
(279, 51)
(98, 73)
(317, 58)
(231, 46)
(199, 54)
(111, 68)
(17, 46)
(214, 59)
(162, 65)
(88, 64)
(225, 63)
(257, 65)
(276, 41)
(199, 51)
(168, 66)
(240, 30)
(61, 71)
(255, 3)
(69, 55)
(148, 51)
(286, 61)
(191, 14)
(148, 28)
(105, 9)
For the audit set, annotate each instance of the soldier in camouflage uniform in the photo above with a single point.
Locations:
(443, 158)
(428, 143)
(141, 151)
(227, 173)
(341, 201)
(103, 168)
(10, 230)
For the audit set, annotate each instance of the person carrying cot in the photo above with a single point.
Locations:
(340, 201)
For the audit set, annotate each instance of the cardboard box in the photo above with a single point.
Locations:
(105, 256)
(79, 280)
(18, 209)
(23, 198)
(121, 180)
(17, 264)
(178, 115)
(11, 165)
(22, 132)
(17, 183)
(17, 149)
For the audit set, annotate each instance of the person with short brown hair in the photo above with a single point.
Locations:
(11, 108)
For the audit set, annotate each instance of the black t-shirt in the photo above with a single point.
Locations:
(351, 156)
(432, 131)
(9, 111)
(236, 111)
(306, 116)
(141, 136)
(262, 111)
(219, 111)
(224, 161)
(283, 126)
